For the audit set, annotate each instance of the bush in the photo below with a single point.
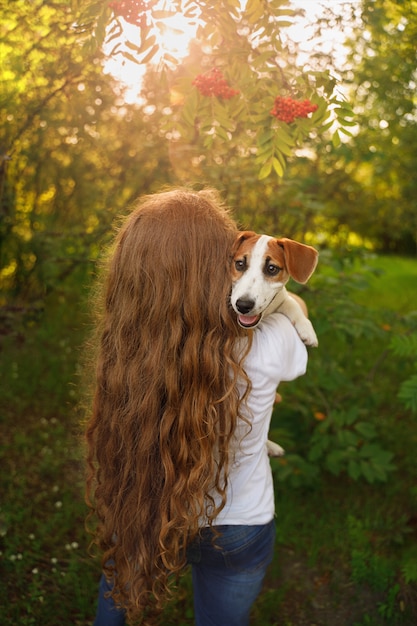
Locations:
(333, 420)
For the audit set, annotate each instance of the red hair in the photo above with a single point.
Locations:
(165, 401)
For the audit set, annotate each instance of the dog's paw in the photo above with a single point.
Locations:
(311, 340)
(307, 333)
(274, 449)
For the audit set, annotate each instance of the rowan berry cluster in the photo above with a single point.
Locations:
(133, 11)
(287, 109)
(214, 84)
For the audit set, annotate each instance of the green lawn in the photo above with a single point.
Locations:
(346, 552)
(395, 286)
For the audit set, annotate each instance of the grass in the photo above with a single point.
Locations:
(394, 284)
(47, 577)
(346, 550)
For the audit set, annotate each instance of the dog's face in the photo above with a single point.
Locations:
(261, 266)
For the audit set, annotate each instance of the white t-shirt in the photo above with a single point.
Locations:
(277, 354)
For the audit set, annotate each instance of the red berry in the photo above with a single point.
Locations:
(214, 84)
(288, 109)
(133, 11)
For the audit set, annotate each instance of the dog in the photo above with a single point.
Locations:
(261, 267)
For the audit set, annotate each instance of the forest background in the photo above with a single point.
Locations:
(76, 151)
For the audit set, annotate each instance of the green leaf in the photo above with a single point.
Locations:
(334, 462)
(369, 451)
(376, 454)
(336, 139)
(115, 31)
(344, 111)
(145, 44)
(344, 122)
(234, 7)
(285, 137)
(404, 345)
(260, 59)
(161, 15)
(208, 142)
(220, 132)
(130, 57)
(265, 137)
(367, 471)
(283, 147)
(347, 438)
(266, 154)
(354, 469)
(189, 110)
(366, 429)
(284, 23)
(134, 47)
(409, 567)
(101, 26)
(169, 58)
(265, 170)
(278, 167)
(408, 393)
(220, 114)
(150, 55)
(346, 418)
(254, 10)
(326, 126)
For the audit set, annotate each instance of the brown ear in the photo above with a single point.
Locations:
(242, 236)
(301, 260)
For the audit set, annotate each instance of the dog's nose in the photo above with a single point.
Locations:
(244, 305)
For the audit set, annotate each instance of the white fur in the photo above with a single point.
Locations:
(252, 283)
(269, 295)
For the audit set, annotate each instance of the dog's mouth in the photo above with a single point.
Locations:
(248, 321)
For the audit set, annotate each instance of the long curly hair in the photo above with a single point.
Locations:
(165, 400)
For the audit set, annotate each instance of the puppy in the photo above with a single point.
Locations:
(261, 267)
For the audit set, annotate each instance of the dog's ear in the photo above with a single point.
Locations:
(241, 237)
(301, 260)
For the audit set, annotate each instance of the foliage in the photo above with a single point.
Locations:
(348, 545)
(246, 45)
(405, 346)
(75, 153)
(367, 566)
(44, 567)
(367, 186)
(387, 113)
(341, 432)
(345, 442)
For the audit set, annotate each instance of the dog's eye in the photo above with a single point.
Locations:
(240, 265)
(272, 270)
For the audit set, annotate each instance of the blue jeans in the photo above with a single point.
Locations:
(227, 576)
(228, 579)
(107, 614)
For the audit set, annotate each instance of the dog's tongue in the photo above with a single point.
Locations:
(248, 320)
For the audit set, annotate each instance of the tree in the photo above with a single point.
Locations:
(74, 153)
(239, 92)
(385, 62)
(368, 185)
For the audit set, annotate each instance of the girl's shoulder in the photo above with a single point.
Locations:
(276, 345)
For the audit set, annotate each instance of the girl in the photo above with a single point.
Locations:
(177, 459)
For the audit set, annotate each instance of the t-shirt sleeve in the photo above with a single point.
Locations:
(279, 349)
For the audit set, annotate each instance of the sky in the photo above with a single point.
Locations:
(331, 40)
